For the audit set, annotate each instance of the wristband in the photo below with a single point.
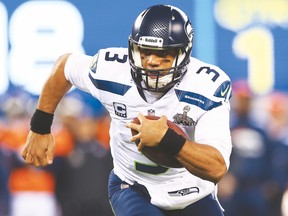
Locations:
(172, 142)
(41, 122)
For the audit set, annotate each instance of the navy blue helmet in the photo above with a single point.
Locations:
(160, 27)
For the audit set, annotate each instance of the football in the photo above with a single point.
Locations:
(157, 154)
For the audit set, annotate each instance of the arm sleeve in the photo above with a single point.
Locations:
(77, 69)
(213, 129)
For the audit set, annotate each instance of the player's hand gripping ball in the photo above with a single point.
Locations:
(157, 154)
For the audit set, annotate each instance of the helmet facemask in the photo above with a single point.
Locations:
(159, 82)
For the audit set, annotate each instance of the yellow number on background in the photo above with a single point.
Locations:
(257, 46)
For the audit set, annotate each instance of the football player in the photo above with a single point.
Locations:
(156, 75)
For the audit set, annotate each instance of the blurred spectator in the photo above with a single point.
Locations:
(7, 162)
(246, 188)
(277, 127)
(79, 174)
(31, 190)
(83, 175)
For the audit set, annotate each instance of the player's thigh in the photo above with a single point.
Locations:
(208, 206)
(126, 201)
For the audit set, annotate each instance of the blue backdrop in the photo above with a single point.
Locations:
(247, 40)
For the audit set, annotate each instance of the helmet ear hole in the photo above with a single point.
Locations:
(160, 27)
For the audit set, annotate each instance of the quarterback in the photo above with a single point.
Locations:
(155, 75)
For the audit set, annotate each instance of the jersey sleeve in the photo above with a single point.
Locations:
(212, 87)
(76, 70)
(213, 128)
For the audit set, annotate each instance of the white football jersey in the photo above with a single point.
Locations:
(199, 104)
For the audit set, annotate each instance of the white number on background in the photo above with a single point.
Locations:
(3, 49)
(39, 32)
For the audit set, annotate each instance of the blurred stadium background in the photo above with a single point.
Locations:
(248, 39)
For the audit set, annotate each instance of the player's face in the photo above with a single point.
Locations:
(157, 59)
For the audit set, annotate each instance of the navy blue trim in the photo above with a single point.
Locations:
(197, 100)
(112, 87)
(150, 169)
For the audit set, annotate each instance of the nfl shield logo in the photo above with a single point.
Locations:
(151, 112)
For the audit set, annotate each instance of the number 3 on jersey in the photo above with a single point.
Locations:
(115, 57)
